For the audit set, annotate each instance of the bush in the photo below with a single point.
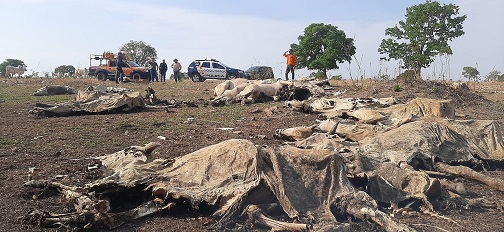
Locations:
(407, 75)
(337, 77)
(383, 77)
(318, 75)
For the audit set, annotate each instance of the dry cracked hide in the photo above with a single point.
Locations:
(226, 179)
(54, 90)
(95, 100)
(353, 167)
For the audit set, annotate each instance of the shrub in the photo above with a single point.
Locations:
(337, 77)
(407, 75)
(318, 75)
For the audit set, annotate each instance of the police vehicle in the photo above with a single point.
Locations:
(200, 70)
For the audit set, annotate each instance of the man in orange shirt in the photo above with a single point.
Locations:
(291, 63)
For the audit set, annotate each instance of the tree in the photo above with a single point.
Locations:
(322, 47)
(470, 73)
(65, 69)
(10, 62)
(495, 75)
(139, 51)
(425, 34)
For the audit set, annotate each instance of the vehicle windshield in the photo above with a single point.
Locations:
(253, 68)
(133, 64)
(224, 65)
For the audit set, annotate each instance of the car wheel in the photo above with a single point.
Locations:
(101, 76)
(197, 78)
(136, 76)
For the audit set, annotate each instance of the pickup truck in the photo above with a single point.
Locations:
(107, 68)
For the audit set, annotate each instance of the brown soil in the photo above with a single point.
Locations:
(63, 145)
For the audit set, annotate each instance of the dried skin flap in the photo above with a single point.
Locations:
(92, 102)
(448, 141)
(219, 174)
(304, 181)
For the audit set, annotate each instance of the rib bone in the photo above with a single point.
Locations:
(256, 214)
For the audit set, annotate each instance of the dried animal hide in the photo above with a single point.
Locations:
(54, 90)
(92, 102)
(307, 184)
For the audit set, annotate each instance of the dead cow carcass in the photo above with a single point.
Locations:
(228, 85)
(259, 91)
(92, 102)
(331, 176)
(231, 179)
(54, 90)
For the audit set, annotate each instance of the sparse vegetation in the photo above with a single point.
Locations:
(398, 88)
(318, 75)
(337, 77)
(407, 75)
(495, 75)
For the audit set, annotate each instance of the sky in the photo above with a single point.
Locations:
(48, 33)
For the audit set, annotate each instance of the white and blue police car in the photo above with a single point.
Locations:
(200, 70)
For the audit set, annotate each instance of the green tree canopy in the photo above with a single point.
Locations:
(425, 34)
(322, 47)
(139, 51)
(10, 62)
(65, 69)
(471, 73)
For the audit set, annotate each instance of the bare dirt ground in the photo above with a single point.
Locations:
(63, 145)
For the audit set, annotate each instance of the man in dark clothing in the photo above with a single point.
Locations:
(163, 68)
(153, 70)
(121, 62)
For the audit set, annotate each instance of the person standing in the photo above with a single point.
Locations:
(153, 70)
(291, 63)
(163, 68)
(121, 62)
(176, 70)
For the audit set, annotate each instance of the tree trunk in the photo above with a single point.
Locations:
(418, 71)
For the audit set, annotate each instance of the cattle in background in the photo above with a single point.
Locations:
(11, 71)
(81, 73)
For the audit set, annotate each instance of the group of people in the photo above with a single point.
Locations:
(153, 69)
(163, 68)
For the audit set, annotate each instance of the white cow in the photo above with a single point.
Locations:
(11, 71)
(79, 73)
(255, 91)
(228, 85)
